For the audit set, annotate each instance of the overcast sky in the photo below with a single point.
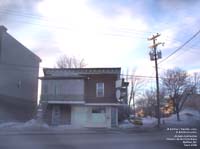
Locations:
(106, 33)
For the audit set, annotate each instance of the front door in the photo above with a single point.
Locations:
(56, 115)
(113, 117)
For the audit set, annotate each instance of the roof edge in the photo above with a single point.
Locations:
(92, 70)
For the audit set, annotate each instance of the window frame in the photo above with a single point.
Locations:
(98, 110)
(100, 90)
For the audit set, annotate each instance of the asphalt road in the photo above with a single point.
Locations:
(94, 140)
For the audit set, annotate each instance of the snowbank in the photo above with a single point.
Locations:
(126, 124)
(10, 124)
(149, 121)
(187, 117)
(35, 123)
(27, 125)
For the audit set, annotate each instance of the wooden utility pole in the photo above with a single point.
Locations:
(155, 55)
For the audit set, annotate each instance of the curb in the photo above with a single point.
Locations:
(53, 131)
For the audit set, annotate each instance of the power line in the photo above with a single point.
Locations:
(179, 48)
(120, 31)
(41, 18)
(138, 76)
(189, 49)
(21, 67)
(22, 14)
(71, 29)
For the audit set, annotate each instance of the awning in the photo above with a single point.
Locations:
(104, 104)
(65, 102)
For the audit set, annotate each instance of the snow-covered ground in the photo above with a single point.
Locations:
(31, 124)
(126, 124)
(188, 117)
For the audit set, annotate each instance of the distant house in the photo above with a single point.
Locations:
(83, 97)
(18, 79)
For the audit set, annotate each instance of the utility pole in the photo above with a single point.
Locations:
(154, 56)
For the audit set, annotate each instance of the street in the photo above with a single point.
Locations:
(91, 140)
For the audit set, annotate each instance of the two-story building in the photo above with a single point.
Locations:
(81, 97)
(19, 69)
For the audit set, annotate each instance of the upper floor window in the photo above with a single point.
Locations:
(100, 89)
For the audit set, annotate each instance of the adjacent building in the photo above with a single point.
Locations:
(18, 79)
(80, 97)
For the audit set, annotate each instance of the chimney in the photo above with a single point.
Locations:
(3, 28)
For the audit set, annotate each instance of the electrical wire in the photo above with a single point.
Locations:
(189, 49)
(179, 48)
(41, 18)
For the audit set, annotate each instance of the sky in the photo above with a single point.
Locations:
(107, 33)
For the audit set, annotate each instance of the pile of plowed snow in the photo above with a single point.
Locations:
(187, 117)
(19, 125)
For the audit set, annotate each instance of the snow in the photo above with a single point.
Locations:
(149, 121)
(35, 123)
(126, 124)
(27, 125)
(10, 124)
(187, 117)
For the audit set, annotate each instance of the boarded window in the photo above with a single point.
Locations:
(100, 89)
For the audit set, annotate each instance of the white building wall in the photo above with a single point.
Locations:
(98, 119)
(79, 115)
(82, 116)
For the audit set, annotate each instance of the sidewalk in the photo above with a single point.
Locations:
(75, 131)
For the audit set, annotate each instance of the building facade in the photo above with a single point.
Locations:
(19, 69)
(81, 97)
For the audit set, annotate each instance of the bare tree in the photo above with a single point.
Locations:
(142, 103)
(65, 61)
(176, 82)
(136, 85)
(150, 97)
(195, 82)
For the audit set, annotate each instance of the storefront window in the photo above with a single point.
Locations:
(98, 110)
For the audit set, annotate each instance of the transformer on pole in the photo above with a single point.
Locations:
(154, 56)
